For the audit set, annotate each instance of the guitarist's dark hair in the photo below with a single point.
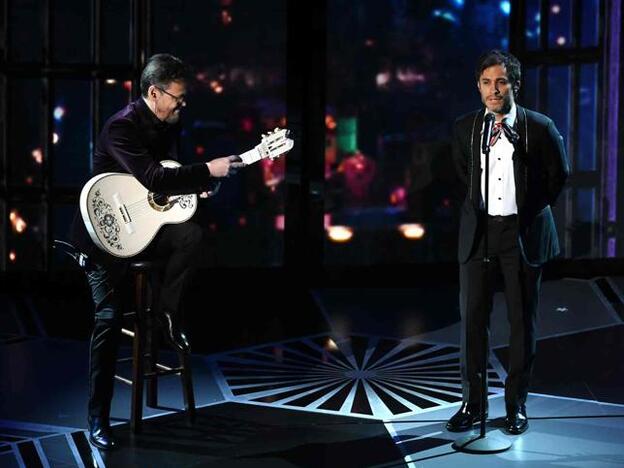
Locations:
(162, 69)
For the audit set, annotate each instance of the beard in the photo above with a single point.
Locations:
(500, 107)
(174, 117)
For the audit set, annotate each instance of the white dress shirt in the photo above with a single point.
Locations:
(502, 187)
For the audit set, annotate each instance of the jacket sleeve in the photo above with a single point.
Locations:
(556, 163)
(125, 146)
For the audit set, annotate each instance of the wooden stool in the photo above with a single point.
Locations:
(144, 331)
(145, 336)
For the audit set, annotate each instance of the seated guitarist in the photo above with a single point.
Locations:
(133, 141)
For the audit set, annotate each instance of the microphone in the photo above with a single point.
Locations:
(487, 132)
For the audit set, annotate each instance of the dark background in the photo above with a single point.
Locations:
(370, 89)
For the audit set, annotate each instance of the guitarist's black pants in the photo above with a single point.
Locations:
(521, 288)
(179, 244)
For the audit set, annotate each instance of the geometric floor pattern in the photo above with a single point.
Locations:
(412, 385)
(362, 376)
(38, 445)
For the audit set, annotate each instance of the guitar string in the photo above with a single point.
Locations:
(144, 208)
(143, 200)
(140, 207)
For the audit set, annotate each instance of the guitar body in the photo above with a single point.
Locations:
(122, 216)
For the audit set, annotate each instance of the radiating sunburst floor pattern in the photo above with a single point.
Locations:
(364, 376)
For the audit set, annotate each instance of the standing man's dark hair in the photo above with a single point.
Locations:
(527, 169)
(161, 69)
(507, 60)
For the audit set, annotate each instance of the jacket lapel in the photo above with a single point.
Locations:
(520, 156)
(520, 127)
(476, 158)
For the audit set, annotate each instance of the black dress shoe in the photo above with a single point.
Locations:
(465, 418)
(100, 433)
(173, 333)
(516, 421)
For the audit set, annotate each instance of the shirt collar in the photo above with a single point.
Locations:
(147, 115)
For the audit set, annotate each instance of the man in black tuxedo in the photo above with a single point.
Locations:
(134, 141)
(528, 168)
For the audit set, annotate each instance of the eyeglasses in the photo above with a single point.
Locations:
(180, 100)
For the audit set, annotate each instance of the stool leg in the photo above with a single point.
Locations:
(136, 416)
(154, 341)
(152, 383)
(187, 385)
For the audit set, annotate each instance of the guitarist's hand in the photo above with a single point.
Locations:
(212, 192)
(224, 167)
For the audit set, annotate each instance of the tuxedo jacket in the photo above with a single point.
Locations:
(540, 171)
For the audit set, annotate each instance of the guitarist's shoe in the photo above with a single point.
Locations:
(100, 433)
(173, 333)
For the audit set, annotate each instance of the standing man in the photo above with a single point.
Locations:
(134, 141)
(527, 170)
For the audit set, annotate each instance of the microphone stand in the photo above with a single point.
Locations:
(484, 443)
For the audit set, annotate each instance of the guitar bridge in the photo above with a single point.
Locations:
(121, 207)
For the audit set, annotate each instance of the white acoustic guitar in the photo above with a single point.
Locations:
(122, 216)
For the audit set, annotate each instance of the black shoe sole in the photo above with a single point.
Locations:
(95, 443)
(517, 431)
(458, 429)
(464, 428)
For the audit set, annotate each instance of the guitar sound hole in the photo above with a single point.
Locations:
(160, 200)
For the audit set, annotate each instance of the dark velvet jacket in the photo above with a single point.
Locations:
(133, 141)
(540, 171)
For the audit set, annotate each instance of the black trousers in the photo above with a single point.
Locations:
(521, 289)
(179, 244)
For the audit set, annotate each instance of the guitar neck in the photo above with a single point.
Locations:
(251, 156)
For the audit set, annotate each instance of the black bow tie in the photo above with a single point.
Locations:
(509, 131)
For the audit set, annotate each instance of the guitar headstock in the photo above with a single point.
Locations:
(275, 143)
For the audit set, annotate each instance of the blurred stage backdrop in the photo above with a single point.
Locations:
(369, 196)
(397, 75)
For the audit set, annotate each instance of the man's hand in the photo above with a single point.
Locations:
(212, 192)
(226, 166)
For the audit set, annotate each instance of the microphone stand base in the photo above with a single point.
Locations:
(481, 444)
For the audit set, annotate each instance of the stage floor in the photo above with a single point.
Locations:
(375, 390)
